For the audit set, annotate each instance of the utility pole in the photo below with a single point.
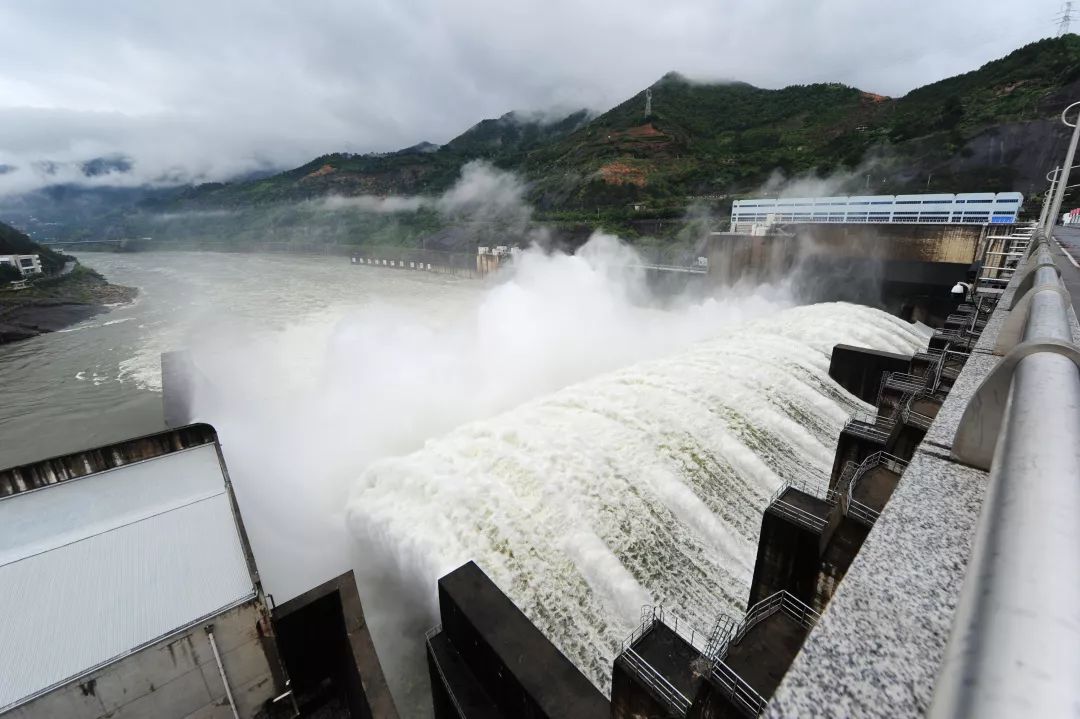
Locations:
(1064, 18)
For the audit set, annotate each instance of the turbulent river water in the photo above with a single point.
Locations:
(590, 453)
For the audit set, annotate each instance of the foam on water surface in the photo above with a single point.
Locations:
(640, 486)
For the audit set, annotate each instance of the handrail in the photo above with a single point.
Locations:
(866, 430)
(664, 690)
(849, 478)
(796, 514)
(737, 690)
(1015, 642)
(914, 417)
(733, 686)
(650, 615)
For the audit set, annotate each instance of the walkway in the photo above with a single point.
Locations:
(1069, 238)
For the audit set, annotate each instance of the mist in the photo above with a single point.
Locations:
(303, 410)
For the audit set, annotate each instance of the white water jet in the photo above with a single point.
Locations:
(644, 485)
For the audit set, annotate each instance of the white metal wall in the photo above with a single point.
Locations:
(966, 208)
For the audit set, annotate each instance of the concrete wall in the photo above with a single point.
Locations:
(341, 650)
(519, 669)
(631, 700)
(926, 243)
(175, 678)
(859, 369)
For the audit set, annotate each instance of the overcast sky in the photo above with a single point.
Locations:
(200, 90)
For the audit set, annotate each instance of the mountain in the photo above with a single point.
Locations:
(420, 169)
(994, 128)
(983, 130)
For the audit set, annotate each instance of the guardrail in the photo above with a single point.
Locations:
(738, 692)
(663, 690)
(796, 514)
(876, 432)
(734, 687)
(913, 417)
(849, 478)
(1015, 643)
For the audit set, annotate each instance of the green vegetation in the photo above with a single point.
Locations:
(13, 242)
(82, 285)
(703, 144)
(710, 139)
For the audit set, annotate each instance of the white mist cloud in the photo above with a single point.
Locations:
(483, 193)
(374, 203)
(862, 179)
(385, 379)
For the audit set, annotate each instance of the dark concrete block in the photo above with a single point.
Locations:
(327, 649)
(454, 690)
(859, 370)
(789, 550)
(522, 672)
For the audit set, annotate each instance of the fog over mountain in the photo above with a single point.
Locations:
(196, 91)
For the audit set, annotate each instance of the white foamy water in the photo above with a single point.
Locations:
(641, 486)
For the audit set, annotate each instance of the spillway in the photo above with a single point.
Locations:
(641, 486)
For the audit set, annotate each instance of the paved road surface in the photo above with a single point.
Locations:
(1069, 239)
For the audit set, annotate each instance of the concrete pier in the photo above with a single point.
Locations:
(489, 656)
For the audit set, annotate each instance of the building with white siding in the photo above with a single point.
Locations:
(128, 589)
(983, 208)
(26, 264)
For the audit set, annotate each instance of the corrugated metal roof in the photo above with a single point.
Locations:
(93, 568)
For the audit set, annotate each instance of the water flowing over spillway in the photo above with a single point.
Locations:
(641, 486)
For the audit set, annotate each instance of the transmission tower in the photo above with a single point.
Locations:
(648, 103)
(1064, 18)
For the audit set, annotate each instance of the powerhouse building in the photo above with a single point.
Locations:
(129, 589)
(982, 208)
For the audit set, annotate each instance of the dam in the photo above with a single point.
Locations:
(692, 531)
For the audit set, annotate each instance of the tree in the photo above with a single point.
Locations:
(9, 273)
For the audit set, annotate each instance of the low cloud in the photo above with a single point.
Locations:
(483, 193)
(198, 91)
(374, 203)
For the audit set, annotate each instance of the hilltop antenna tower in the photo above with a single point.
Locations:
(1064, 18)
(648, 102)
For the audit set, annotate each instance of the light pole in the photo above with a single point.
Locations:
(1063, 181)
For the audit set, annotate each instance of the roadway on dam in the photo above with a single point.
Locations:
(1066, 254)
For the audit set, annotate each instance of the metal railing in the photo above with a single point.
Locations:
(662, 689)
(876, 432)
(733, 686)
(737, 691)
(781, 601)
(912, 416)
(1014, 649)
(904, 382)
(796, 514)
(843, 494)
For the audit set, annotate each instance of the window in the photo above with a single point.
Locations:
(26, 261)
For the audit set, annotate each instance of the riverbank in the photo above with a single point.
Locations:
(55, 303)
